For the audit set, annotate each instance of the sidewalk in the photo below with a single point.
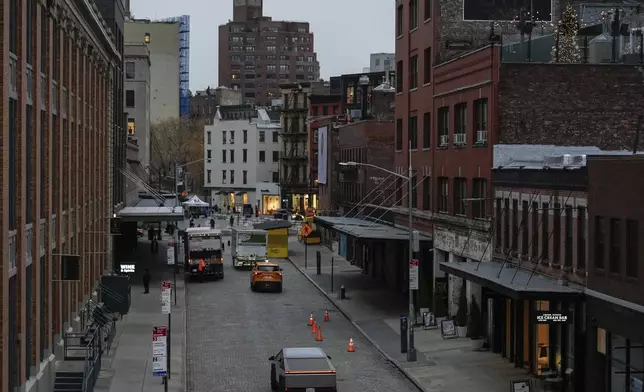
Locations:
(441, 366)
(128, 365)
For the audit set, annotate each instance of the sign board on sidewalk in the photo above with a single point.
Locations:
(160, 351)
(166, 297)
(306, 230)
(170, 255)
(520, 386)
(413, 274)
(448, 329)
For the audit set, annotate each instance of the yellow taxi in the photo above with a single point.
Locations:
(266, 276)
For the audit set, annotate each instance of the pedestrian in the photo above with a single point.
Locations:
(231, 220)
(212, 223)
(146, 281)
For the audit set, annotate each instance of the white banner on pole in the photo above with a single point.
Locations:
(413, 274)
(166, 297)
(170, 255)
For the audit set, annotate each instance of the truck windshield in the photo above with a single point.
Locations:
(206, 255)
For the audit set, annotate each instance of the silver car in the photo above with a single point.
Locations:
(302, 370)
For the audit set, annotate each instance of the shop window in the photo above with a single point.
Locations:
(525, 207)
(619, 363)
(515, 225)
(615, 246)
(545, 231)
(600, 242)
(632, 243)
(542, 340)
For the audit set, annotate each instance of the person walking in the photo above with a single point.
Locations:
(146, 281)
(212, 223)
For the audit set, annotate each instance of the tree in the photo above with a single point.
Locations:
(566, 49)
(177, 141)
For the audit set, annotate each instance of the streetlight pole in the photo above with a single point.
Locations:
(411, 350)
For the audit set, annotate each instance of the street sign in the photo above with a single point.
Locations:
(160, 351)
(306, 230)
(166, 297)
(170, 255)
(413, 274)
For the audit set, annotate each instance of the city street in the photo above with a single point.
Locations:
(232, 332)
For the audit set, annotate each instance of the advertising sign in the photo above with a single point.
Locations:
(547, 317)
(166, 297)
(160, 351)
(322, 154)
(170, 255)
(413, 274)
(128, 268)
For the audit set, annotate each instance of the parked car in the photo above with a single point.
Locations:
(288, 214)
(299, 369)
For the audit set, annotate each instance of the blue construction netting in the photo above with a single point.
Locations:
(184, 62)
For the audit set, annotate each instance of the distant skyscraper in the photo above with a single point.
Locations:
(257, 54)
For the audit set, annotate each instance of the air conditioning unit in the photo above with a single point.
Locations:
(459, 139)
(481, 136)
(224, 181)
(444, 140)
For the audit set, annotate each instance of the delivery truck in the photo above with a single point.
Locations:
(248, 247)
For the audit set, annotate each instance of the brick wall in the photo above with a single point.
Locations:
(596, 105)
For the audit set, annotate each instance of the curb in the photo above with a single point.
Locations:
(395, 363)
(185, 337)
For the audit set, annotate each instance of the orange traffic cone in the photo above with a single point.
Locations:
(326, 316)
(310, 323)
(314, 328)
(318, 338)
(351, 347)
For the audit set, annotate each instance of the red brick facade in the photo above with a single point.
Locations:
(60, 112)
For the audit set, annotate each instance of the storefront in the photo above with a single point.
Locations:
(270, 204)
(615, 344)
(268, 197)
(531, 319)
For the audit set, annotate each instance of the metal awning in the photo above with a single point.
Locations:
(512, 281)
(366, 229)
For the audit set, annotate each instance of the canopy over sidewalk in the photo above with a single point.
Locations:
(149, 209)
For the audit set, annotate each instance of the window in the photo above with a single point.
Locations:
(568, 236)
(13, 106)
(399, 21)
(506, 224)
(460, 123)
(244, 156)
(443, 194)
(413, 14)
(443, 126)
(276, 176)
(262, 136)
(399, 134)
(545, 231)
(209, 137)
(223, 137)
(413, 72)
(600, 242)
(131, 126)
(428, 9)
(556, 234)
(414, 192)
(426, 193)
(399, 76)
(209, 155)
(129, 70)
(480, 121)
(28, 165)
(325, 110)
(615, 246)
(209, 176)
(129, 98)
(245, 136)
(314, 111)
(232, 176)
(223, 156)
(276, 137)
(535, 231)
(525, 211)
(276, 156)
(581, 238)
(232, 156)
(232, 137)
(412, 132)
(515, 225)
(399, 191)
(44, 38)
(427, 65)
(479, 194)
(632, 250)
(262, 156)
(223, 176)
(427, 130)
(244, 177)
(498, 215)
(460, 194)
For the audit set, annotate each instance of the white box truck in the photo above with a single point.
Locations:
(248, 246)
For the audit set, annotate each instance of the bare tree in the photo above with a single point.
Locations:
(177, 141)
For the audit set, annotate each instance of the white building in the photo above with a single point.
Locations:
(137, 80)
(380, 62)
(241, 162)
(164, 49)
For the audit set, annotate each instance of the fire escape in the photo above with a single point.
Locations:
(294, 171)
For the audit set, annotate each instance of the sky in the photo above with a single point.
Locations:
(346, 31)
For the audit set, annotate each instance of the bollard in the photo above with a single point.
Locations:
(403, 334)
(343, 292)
(318, 261)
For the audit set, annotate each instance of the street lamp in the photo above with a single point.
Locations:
(411, 350)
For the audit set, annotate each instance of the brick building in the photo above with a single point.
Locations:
(615, 294)
(62, 118)
(257, 54)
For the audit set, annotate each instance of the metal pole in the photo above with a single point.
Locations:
(174, 284)
(411, 352)
(306, 247)
(168, 361)
(332, 274)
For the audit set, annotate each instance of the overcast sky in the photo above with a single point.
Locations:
(346, 31)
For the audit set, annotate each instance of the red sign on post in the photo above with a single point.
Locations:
(166, 285)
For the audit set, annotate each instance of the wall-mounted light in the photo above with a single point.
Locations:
(147, 38)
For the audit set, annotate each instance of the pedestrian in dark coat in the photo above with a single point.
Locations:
(146, 281)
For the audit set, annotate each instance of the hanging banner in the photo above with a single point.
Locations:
(160, 351)
(170, 255)
(166, 297)
(413, 274)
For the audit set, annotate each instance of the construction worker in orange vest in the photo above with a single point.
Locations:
(202, 269)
